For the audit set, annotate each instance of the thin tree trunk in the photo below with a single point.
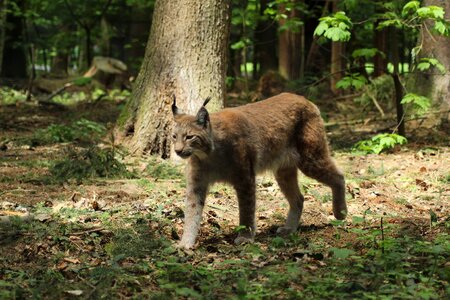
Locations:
(379, 62)
(266, 43)
(185, 58)
(337, 65)
(290, 50)
(105, 37)
(315, 61)
(399, 90)
(88, 45)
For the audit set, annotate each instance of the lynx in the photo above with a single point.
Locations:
(283, 133)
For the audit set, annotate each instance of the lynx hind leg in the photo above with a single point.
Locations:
(287, 181)
(316, 162)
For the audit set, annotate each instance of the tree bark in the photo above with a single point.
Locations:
(290, 50)
(394, 45)
(266, 43)
(431, 83)
(337, 64)
(186, 58)
(316, 60)
(60, 63)
(3, 4)
(14, 55)
(379, 61)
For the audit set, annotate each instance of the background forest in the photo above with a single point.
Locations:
(90, 206)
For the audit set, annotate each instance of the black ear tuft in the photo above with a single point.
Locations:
(175, 109)
(203, 117)
(206, 101)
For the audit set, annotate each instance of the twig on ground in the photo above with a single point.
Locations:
(96, 229)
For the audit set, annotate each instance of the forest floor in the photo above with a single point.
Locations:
(64, 237)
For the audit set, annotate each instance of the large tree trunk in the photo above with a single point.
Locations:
(186, 58)
(431, 83)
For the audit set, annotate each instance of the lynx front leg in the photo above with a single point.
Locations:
(194, 203)
(245, 191)
(287, 180)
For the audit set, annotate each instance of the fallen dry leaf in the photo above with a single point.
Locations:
(72, 260)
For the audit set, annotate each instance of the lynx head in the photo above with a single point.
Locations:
(192, 134)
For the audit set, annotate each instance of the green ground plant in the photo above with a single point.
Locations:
(379, 143)
(85, 164)
(81, 131)
(133, 254)
(162, 169)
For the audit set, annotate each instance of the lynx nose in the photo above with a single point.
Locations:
(178, 152)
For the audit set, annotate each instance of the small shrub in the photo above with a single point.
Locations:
(10, 96)
(81, 131)
(379, 143)
(381, 89)
(70, 98)
(87, 164)
(160, 169)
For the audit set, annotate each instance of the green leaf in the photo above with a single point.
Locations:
(425, 63)
(395, 23)
(341, 253)
(358, 220)
(410, 7)
(366, 53)
(431, 12)
(440, 27)
(423, 66)
(335, 28)
(238, 45)
(421, 103)
(321, 28)
(82, 81)
(355, 80)
(379, 143)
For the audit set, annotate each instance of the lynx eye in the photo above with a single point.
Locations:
(174, 136)
(190, 137)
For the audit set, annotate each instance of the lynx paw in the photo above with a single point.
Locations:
(185, 245)
(340, 214)
(243, 240)
(283, 230)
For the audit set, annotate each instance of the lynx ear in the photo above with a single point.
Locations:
(206, 101)
(203, 117)
(175, 109)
